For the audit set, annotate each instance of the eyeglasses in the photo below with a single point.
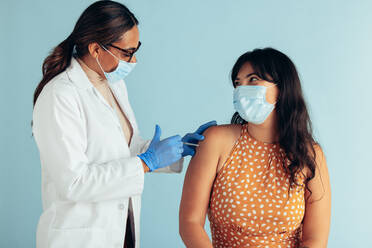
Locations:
(127, 53)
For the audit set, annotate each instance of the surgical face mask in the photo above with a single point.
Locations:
(250, 102)
(121, 71)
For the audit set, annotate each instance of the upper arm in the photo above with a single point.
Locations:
(58, 127)
(199, 178)
(318, 203)
(60, 134)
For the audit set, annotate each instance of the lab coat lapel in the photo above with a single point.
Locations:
(81, 80)
(121, 95)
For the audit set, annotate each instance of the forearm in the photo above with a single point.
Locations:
(194, 236)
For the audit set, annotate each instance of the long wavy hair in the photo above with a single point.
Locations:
(103, 22)
(293, 121)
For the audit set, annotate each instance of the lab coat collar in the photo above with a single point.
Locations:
(77, 75)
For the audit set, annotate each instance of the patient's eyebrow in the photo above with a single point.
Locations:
(247, 76)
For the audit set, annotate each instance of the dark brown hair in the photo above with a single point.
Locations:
(103, 22)
(294, 124)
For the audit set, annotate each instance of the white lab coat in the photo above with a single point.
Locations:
(90, 177)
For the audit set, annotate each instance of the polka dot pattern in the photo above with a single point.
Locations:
(252, 203)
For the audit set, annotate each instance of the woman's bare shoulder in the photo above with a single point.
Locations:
(218, 142)
(212, 150)
(222, 133)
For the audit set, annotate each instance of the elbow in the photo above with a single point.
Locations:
(189, 230)
(184, 229)
(71, 191)
(313, 243)
(70, 194)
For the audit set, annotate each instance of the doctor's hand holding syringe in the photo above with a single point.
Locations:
(162, 153)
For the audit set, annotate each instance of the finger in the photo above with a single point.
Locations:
(192, 153)
(196, 136)
(157, 133)
(205, 126)
(184, 146)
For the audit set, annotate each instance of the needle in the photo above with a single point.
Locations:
(190, 144)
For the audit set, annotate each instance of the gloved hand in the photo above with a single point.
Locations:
(195, 138)
(162, 153)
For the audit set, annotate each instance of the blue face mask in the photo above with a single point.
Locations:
(121, 71)
(250, 102)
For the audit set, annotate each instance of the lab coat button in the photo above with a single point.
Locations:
(121, 206)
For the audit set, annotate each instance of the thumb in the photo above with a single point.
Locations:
(157, 134)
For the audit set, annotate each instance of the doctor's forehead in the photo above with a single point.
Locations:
(129, 40)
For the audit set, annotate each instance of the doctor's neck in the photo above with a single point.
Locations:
(92, 64)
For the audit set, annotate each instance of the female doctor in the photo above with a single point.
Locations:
(92, 156)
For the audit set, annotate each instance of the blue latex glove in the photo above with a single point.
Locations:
(195, 138)
(162, 153)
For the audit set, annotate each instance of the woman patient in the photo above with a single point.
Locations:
(262, 180)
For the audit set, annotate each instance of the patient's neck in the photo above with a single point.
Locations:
(267, 131)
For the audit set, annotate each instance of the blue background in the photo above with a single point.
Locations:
(182, 80)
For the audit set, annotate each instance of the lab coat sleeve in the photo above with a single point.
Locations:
(173, 168)
(59, 131)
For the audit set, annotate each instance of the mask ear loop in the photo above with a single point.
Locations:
(112, 103)
(267, 87)
(100, 66)
(104, 48)
(110, 53)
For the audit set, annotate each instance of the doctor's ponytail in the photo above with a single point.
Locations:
(57, 61)
(103, 21)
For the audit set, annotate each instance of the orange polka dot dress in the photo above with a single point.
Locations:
(252, 203)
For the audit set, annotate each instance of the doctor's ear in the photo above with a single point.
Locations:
(94, 49)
